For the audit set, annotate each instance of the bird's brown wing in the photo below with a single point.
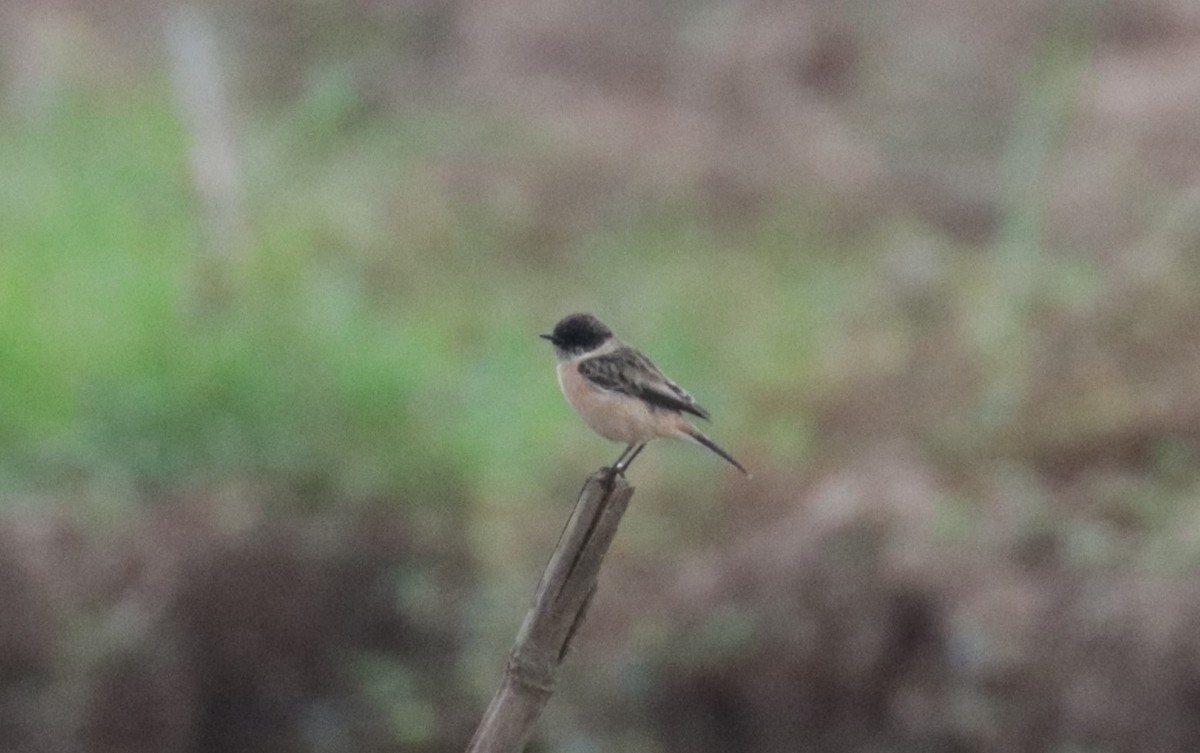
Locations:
(627, 371)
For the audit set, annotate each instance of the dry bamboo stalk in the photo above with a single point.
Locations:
(558, 610)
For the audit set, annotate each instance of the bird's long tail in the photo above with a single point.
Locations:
(696, 436)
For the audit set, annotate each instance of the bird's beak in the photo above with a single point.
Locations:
(547, 337)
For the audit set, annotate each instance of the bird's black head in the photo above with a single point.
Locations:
(578, 333)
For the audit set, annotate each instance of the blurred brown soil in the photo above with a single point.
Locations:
(187, 634)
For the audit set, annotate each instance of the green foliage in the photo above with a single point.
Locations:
(378, 336)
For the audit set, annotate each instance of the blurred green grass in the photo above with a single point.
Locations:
(378, 338)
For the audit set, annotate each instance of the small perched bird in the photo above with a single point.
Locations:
(620, 393)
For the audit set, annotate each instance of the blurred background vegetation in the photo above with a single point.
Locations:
(281, 457)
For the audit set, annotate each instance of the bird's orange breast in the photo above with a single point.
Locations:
(614, 415)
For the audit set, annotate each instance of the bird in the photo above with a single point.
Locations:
(620, 393)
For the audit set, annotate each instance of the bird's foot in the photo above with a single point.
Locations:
(611, 472)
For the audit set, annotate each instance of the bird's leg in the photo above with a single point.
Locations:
(621, 468)
(616, 467)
